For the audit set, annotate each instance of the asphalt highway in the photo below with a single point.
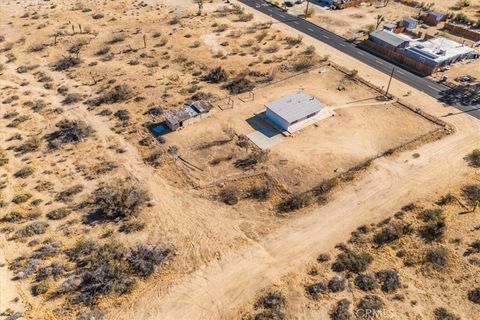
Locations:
(426, 85)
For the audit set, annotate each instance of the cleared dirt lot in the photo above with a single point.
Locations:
(361, 129)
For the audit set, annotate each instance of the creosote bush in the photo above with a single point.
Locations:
(474, 295)
(144, 259)
(443, 314)
(110, 268)
(352, 261)
(392, 232)
(119, 93)
(365, 282)
(369, 305)
(434, 229)
(474, 158)
(216, 75)
(65, 63)
(239, 84)
(472, 193)
(34, 228)
(69, 131)
(341, 310)
(118, 201)
(314, 290)
(390, 280)
(229, 195)
(68, 194)
(294, 202)
(438, 257)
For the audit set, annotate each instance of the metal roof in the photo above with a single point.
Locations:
(410, 19)
(388, 37)
(295, 106)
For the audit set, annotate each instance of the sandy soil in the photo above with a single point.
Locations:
(424, 286)
(227, 266)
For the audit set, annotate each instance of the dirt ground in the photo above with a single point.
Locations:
(213, 242)
(424, 287)
(361, 129)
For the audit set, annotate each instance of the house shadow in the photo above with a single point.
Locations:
(259, 123)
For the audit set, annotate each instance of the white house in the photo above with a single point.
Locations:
(296, 111)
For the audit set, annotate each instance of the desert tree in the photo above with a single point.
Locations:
(199, 3)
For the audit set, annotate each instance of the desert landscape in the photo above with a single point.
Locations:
(142, 176)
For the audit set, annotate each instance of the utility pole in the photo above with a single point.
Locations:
(306, 9)
(389, 82)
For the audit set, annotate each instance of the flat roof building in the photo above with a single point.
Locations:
(296, 111)
(438, 51)
(389, 39)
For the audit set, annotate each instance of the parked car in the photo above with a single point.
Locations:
(466, 78)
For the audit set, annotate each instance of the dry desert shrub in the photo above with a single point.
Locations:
(24, 172)
(65, 63)
(369, 305)
(229, 195)
(216, 75)
(69, 131)
(352, 261)
(341, 310)
(30, 145)
(443, 314)
(67, 194)
(474, 158)
(58, 214)
(294, 202)
(252, 160)
(119, 201)
(119, 93)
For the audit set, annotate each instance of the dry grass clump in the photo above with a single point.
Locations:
(3, 157)
(32, 229)
(58, 214)
(68, 194)
(36, 105)
(21, 198)
(24, 172)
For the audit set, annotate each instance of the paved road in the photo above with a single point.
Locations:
(420, 83)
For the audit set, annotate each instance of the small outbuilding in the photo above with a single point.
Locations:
(181, 117)
(410, 23)
(296, 111)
